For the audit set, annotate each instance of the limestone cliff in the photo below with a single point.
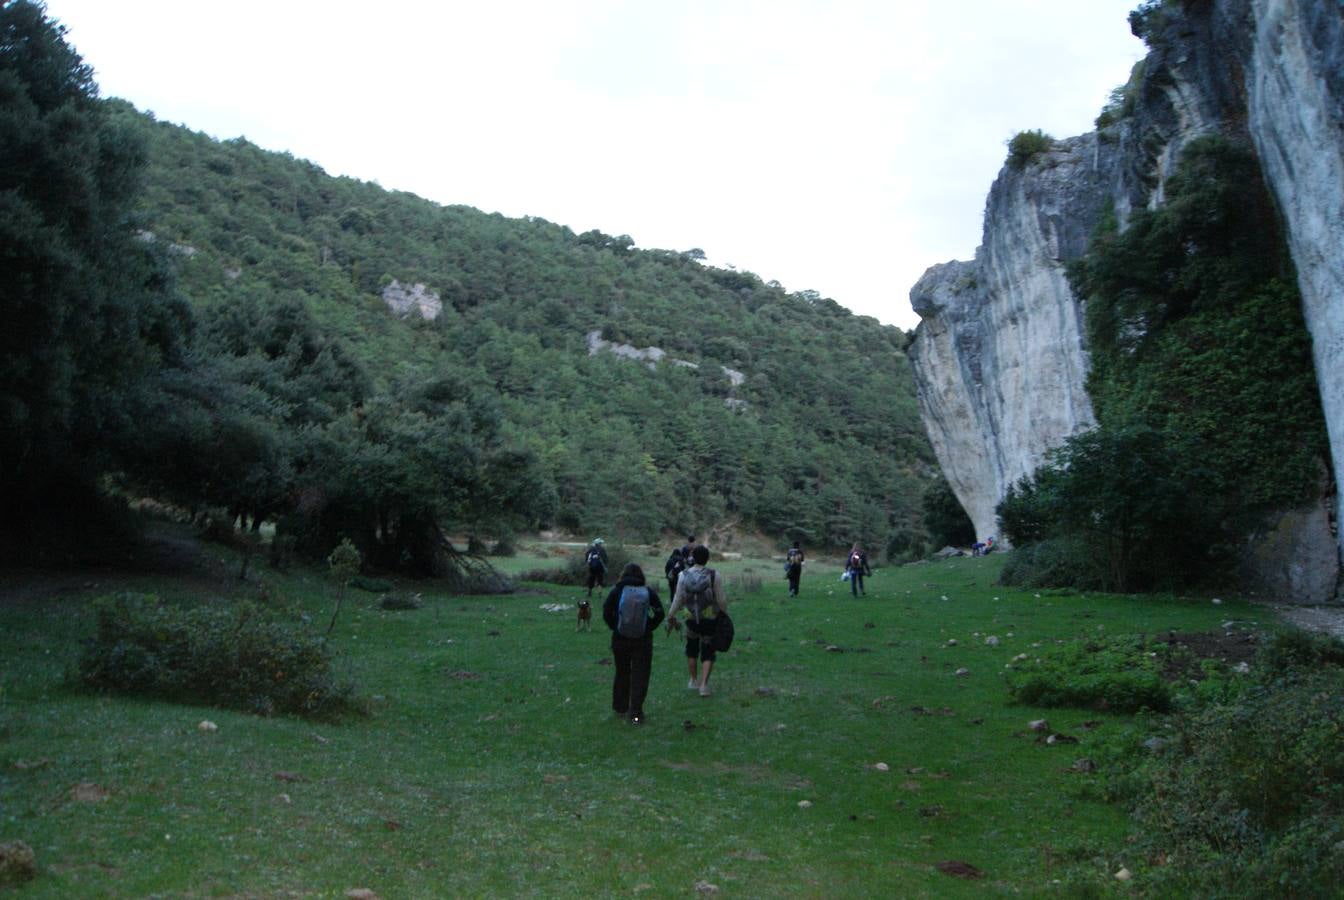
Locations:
(1000, 357)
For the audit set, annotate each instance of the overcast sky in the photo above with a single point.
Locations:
(841, 146)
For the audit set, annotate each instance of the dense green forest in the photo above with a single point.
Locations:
(212, 332)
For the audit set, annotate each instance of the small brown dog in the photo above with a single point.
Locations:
(585, 616)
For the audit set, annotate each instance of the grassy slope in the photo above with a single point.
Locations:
(520, 782)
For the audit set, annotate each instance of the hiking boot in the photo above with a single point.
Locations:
(705, 691)
(692, 684)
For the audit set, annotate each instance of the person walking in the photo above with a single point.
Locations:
(794, 568)
(857, 567)
(700, 593)
(675, 565)
(633, 612)
(596, 558)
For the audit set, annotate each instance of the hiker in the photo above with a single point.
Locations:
(596, 557)
(793, 568)
(700, 594)
(675, 565)
(632, 611)
(686, 549)
(857, 567)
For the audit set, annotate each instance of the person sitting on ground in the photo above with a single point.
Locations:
(700, 593)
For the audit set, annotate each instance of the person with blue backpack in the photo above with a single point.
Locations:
(633, 612)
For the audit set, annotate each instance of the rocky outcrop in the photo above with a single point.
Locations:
(406, 299)
(1000, 357)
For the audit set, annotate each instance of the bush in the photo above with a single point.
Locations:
(1249, 800)
(1059, 562)
(1026, 146)
(372, 585)
(237, 657)
(1294, 650)
(574, 571)
(1115, 674)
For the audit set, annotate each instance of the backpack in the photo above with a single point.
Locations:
(632, 612)
(699, 591)
(856, 561)
(595, 559)
(795, 557)
(676, 564)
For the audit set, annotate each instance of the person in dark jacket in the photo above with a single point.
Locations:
(794, 568)
(596, 559)
(633, 655)
(856, 564)
(677, 563)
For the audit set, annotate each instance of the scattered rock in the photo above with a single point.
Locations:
(284, 798)
(704, 887)
(88, 792)
(23, 764)
(832, 648)
(1216, 602)
(804, 804)
(951, 642)
(1084, 765)
(992, 641)
(207, 725)
(882, 767)
(959, 868)
(1154, 744)
(882, 701)
(932, 812)
(1038, 725)
(1124, 874)
(1054, 739)
(361, 894)
(17, 863)
(1242, 668)
(962, 672)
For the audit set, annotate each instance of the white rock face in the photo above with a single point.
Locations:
(1295, 100)
(999, 355)
(1000, 358)
(405, 299)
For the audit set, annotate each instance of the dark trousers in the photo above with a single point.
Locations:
(795, 573)
(634, 661)
(856, 581)
(595, 578)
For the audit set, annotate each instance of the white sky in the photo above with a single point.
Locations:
(840, 146)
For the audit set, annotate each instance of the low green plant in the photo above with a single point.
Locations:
(1054, 561)
(1247, 800)
(1025, 146)
(237, 657)
(1118, 674)
(372, 585)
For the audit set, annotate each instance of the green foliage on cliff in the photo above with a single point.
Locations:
(1025, 146)
(1202, 382)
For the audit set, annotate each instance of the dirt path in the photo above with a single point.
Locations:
(1329, 619)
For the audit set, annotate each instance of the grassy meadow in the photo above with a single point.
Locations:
(841, 754)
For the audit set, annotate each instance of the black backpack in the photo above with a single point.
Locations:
(595, 559)
(632, 611)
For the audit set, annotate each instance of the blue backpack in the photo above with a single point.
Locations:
(632, 612)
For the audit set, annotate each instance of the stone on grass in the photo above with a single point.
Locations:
(962, 672)
(361, 894)
(951, 642)
(1084, 765)
(88, 792)
(1124, 874)
(882, 767)
(17, 863)
(1038, 725)
(207, 725)
(704, 887)
(804, 804)
(959, 868)
(992, 641)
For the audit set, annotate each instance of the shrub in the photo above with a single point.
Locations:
(1057, 562)
(1301, 650)
(1026, 146)
(372, 585)
(237, 657)
(1249, 802)
(506, 544)
(1115, 674)
(574, 571)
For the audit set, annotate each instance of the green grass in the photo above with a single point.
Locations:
(492, 766)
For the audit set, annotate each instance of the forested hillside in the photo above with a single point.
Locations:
(498, 405)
